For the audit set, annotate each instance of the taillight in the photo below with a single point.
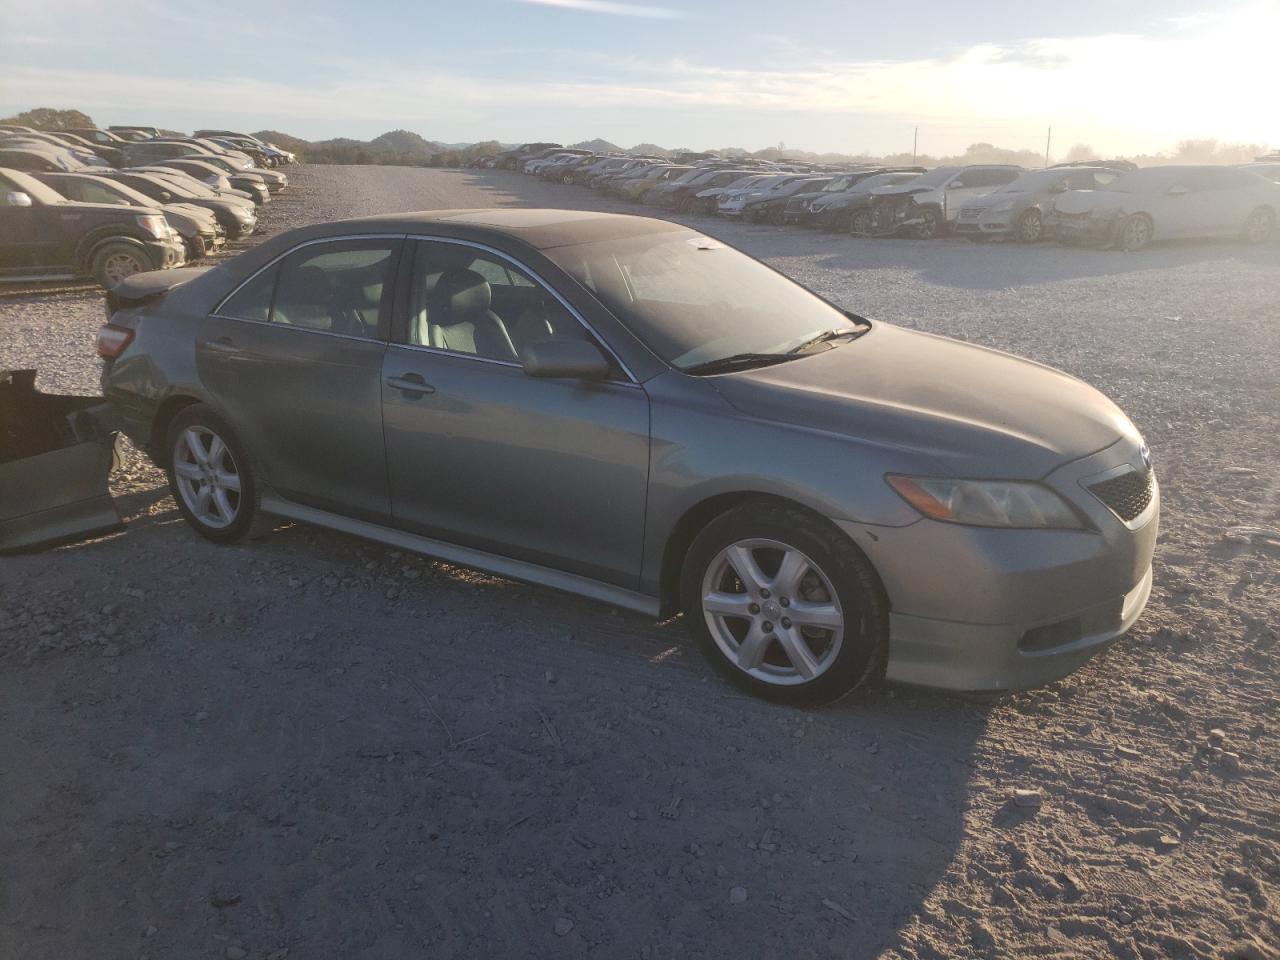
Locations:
(112, 340)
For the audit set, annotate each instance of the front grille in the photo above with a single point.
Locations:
(1126, 495)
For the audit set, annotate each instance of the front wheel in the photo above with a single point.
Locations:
(116, 261)
(861, 222)
(1260, 225)
(1030, 228)
(930, 225)
(209, 475)
(784, 605)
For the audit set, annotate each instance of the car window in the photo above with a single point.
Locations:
(90, 192)
(335, 287)
(339, 286)
(465, 300)
(253, 300)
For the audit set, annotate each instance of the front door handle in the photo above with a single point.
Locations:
(412, 385)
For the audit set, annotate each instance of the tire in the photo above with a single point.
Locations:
(197, 249)
(1029, 228)
(686, 204)
(932, 226)
(1259, 226)
(1135, 233)
(114, 261)
(567, 179)
(194, 463)
(776, 216)
(861, 222)
(795, 551)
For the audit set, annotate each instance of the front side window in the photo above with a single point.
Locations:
(340, 286)
(468, 301)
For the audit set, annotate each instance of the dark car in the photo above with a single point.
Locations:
(242, 140)
(37, 158)
(634, 412)
(771, 205)
(44, 235)
(835, 205)
(681, 196)
(512, 159)
(135, 134)
(235, 216)
(112, 155)
(203, 169)
(103, 138)
(198, 227)
(84, 154)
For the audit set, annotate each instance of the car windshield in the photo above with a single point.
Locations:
(692, 299)
(884, 180)
(936, 177)
(838, 184)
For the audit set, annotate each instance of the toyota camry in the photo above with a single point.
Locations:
(632, 411)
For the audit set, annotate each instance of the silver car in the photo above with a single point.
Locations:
(1168, 203)
(632, 411)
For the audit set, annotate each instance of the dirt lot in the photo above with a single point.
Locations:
(314, 747)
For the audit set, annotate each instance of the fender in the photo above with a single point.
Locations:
(110, 233)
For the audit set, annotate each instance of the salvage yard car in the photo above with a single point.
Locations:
(625, 409)
(926, 205)
(45, 236)
(1018, 209)
(1165, 203)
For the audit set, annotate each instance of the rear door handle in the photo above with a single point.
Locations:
(220, 345)
(412, 385)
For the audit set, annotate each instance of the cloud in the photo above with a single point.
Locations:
(1120, 92)
(616, 9)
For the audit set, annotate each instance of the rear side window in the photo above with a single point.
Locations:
(341, 287)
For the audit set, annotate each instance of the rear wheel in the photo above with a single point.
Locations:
(776, 216)
(1135, 233)
(209, 475)
(116, 261)
(1030, 227)
(860, 222)
(1260, 225)
(784, 605)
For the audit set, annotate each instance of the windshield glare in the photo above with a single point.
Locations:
(692, 299)
(936, 177)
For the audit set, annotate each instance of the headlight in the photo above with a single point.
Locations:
(1004, 207)
(986, 503)
(158, 227)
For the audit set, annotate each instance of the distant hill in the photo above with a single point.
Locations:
(405, 141)
(597, 146)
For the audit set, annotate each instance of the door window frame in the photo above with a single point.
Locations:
(400, 306)
(386, 305)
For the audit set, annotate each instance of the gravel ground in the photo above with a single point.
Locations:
(311, 746)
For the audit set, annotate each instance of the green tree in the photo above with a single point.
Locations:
(47, 118)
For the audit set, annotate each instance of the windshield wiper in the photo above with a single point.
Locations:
(826, 336)
(737, 361)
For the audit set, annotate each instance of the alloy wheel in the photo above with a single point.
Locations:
(118, 266)
(1136, 233)
(207, 476)
(1257, 229)
(772, 612)
(1030, 227)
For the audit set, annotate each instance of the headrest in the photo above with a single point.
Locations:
(457, 295)
(305, 285)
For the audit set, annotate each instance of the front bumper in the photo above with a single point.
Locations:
(976, 608)
(988, 225)
(167, 253)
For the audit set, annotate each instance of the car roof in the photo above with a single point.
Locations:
(540, 228)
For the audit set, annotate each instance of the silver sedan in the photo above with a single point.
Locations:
(635, 412)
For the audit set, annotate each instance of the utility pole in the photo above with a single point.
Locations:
(1048, 142)
(915, 146)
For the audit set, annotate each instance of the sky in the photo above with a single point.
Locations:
(1126, 77)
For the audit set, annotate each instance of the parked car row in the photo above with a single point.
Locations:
(1104, 202)
(97, 203)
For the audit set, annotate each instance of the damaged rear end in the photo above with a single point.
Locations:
(56, 453)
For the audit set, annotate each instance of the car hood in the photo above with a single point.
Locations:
(973, 411)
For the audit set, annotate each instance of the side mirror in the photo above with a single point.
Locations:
(1177, 190)
(17, 198)
(565, 359)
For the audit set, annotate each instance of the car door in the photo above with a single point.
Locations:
(1188, 202)
(17, 228)
(293, 360)
(479, 453)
